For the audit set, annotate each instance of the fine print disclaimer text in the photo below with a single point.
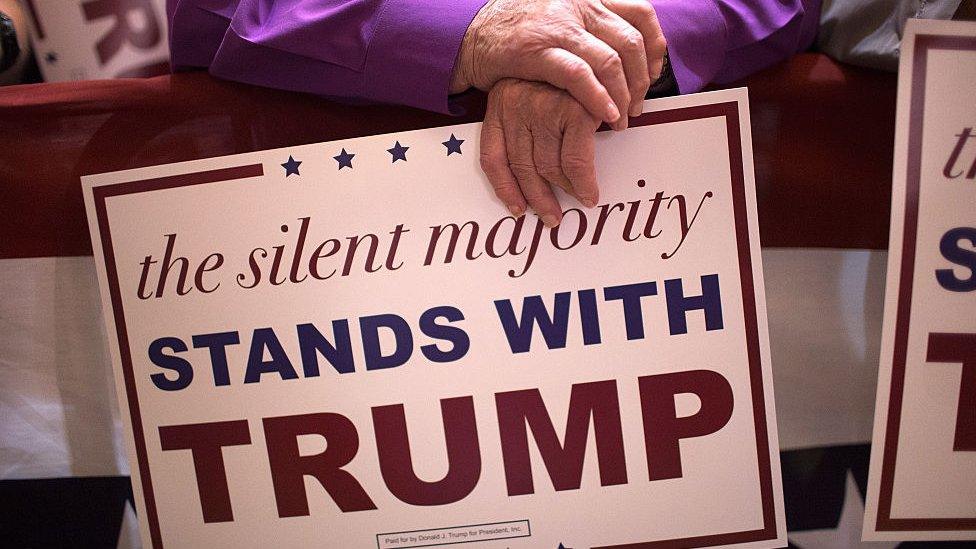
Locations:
(452, 535)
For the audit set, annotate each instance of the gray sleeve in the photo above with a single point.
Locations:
(868, 32)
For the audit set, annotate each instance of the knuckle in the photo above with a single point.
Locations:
(575, 166)
(505, 189)
(644, 14)
(563, 183)
(643, 9)
(491, 162)
(611, 63)
(574, 32)
(577, 175)
(576, 70)
(535, 196)
(633, 42)
(550, 172)
(660, 44)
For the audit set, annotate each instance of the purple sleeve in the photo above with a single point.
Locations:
(389, 51)
(720, 41)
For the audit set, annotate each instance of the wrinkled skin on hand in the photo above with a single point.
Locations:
(536, 136)
(605, 53)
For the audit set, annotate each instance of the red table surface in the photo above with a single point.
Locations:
(823, 135)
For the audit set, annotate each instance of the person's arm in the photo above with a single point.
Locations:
(414, 52)
(353, 49)
(721, 41)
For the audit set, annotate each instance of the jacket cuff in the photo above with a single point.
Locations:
(697, 40)
(414, 49)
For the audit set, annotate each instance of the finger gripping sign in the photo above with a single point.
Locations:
(923, 460)
(350, 344)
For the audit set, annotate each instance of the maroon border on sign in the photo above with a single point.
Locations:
(729, 111)
(100, 194)
(923, 44)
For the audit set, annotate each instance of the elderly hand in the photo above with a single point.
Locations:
(606, 53)
(535, 136)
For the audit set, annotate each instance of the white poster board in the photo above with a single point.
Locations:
(95, 39)
(923, 463)
(365, 351)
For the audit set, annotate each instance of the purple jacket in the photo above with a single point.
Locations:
(403, 51)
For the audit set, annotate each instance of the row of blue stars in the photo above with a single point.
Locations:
(398, 152)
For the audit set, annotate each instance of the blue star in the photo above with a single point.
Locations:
(344, 159)
(291, 167)
(453, 145)
(399, 152)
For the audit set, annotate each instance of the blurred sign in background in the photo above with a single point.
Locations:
(94, 39)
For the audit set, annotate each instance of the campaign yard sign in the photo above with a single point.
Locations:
(923, 461)
(93, 39)
(351, 344)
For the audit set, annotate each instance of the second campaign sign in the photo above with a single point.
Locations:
(351, 344)
(923, 457)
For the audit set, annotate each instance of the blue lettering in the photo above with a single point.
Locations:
(312, 343)
(951, 250)
(460, 343)
(375, 359)
(217, 343)
(630, 295)
(265, 339)
(678, 304)
(534, 312)
(182, 367)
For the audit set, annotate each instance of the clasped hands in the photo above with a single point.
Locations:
(554, 70)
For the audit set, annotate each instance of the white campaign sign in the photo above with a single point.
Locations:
(96, 39)
(349, 344)
(923, 461)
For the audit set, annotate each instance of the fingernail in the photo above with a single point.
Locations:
(588, 202)
(612, 113)
(635, 110)
(516, 211)
(549, 220)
